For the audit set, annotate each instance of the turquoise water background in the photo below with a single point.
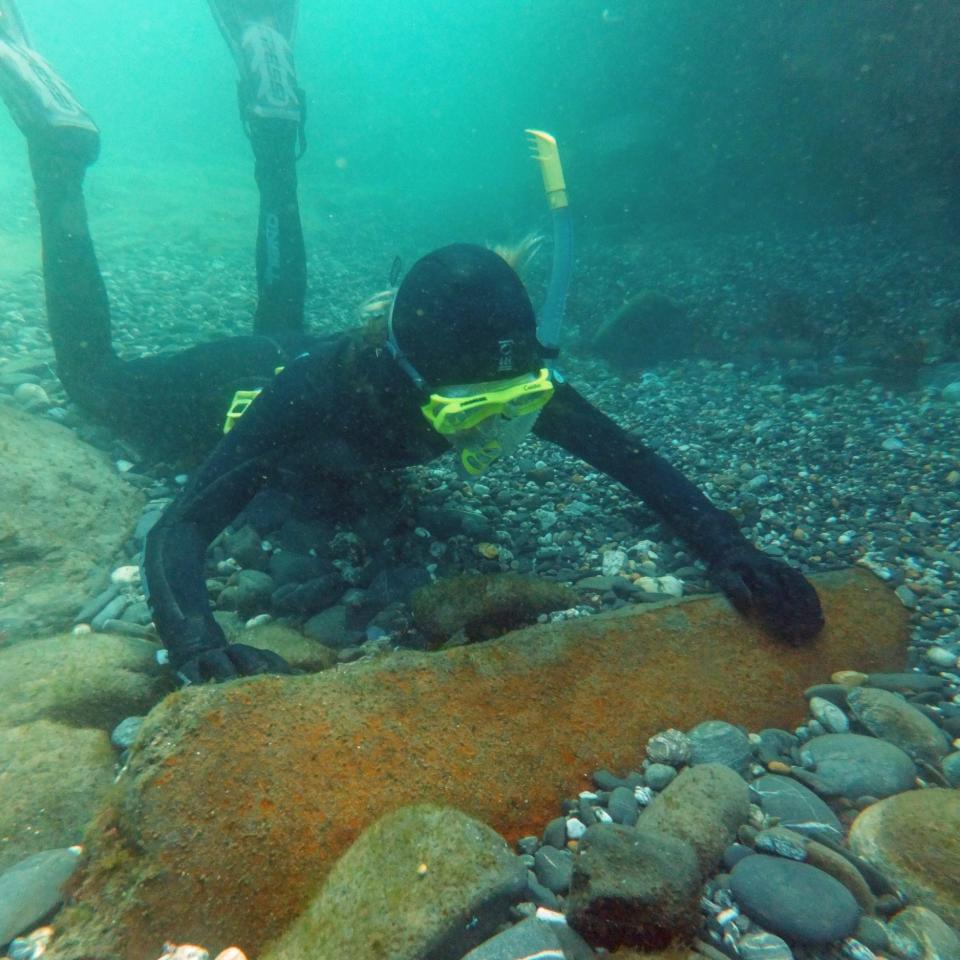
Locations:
(669, 112)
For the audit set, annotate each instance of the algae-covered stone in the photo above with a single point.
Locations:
(95, 680)
(64, 514)
(917, 931)
(704, 805)
(633, 886)
(485, 606)
(238, 798)
(422, 883)
(52, 780)
(299, 651)
(914, 839)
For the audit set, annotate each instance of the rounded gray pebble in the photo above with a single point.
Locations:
(794, 900)
(734, 854)
(951, 768)
(555, 834)
(873, 933)
(851, 765)
(605, 780)
(795, 806)
(719, 742)
(125, 732)
(623, 806)
(553, 868)
(542, 896)
(659, 776)
(760, 945)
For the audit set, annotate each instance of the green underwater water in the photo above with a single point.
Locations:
(683, 112)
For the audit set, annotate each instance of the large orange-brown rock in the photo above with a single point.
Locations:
(240, 797)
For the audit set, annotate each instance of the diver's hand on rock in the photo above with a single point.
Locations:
(227, 662)
(781, 598)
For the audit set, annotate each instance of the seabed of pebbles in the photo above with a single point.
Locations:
(823, 477)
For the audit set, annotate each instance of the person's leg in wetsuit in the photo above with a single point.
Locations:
(281, 260)
(175, 403)
(260, 34)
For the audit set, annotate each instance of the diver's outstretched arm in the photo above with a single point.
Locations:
(260, 36)
(243, 463)
(777, 594)
(62, 141)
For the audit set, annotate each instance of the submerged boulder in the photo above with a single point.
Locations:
(239, 798)
(52, 780)
(485, 606)
(64, 514)
(648, 329)
(93, 680)
(423, 881)
(914, 839)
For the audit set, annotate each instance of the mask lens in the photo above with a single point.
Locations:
(455, 410)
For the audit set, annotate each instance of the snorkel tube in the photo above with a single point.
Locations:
(550, 318)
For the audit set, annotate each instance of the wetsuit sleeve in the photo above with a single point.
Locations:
(242, 464)
(573, 423)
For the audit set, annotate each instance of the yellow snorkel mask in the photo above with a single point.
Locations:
(485, 421)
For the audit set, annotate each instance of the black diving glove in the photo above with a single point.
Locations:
(208, 657)
(226, 663)
(780, 597)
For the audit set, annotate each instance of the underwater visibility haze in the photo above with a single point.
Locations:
(652, 644)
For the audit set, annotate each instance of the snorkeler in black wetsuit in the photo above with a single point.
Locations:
(458, 364)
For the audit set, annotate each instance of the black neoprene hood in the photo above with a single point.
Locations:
(462, 315)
